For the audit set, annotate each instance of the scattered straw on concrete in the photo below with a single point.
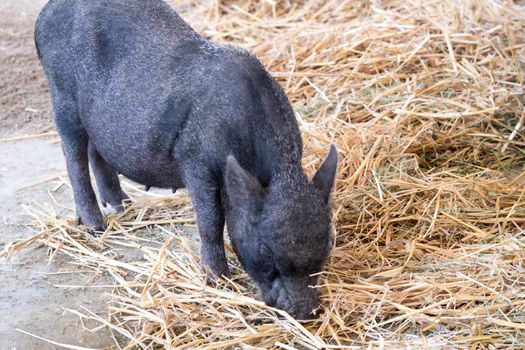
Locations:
(425, 102)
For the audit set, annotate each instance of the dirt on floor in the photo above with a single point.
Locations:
(24, 97)
(32, 294)
(33, 297)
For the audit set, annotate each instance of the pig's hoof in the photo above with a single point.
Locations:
(118, 203)
(108, 209)
(94, 230)
(119, 208)
(114, 199)
(97, 231)
(212, 277)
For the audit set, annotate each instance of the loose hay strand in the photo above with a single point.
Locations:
(424, 100)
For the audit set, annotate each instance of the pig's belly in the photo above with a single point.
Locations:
(161, 177)
(138, 136)
(141, 162)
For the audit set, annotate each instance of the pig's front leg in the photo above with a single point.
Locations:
(107, 180)
(205, 195)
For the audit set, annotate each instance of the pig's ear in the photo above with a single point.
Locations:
(325, 176)
(243, 189)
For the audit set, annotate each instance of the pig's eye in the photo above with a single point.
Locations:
(273, 274)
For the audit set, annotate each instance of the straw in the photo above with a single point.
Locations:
(424, 100)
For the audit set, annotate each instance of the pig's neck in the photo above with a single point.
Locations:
(277, 158)
(277, 143)
(289, 177)
(271, 164)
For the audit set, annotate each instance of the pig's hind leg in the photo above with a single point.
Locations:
(108, 182)
(75, 147)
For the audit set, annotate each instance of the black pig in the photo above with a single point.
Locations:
(137, 91)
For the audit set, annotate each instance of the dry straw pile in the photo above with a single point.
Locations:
(425, 101)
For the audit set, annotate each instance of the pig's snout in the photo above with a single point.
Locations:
(294, 296)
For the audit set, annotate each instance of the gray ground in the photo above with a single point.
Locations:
(24, 96)
(28, 299)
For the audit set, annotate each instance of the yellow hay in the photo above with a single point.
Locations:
(425, 102)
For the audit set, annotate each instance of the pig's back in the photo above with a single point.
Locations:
(88, 39)
(238, 108)
(151, 92)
